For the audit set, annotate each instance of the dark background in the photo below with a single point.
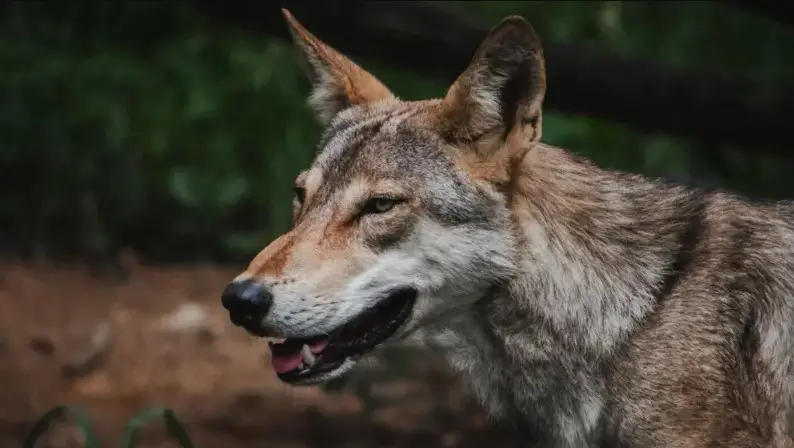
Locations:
(148, 151)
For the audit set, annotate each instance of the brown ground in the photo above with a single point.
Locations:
(160, 337)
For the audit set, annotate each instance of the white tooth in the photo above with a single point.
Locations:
(308, 356)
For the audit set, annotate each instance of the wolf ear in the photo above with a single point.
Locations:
(501, 92)
(337, 82)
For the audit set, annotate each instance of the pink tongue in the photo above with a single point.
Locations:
(283, 364)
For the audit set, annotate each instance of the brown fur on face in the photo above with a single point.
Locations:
(582, 306)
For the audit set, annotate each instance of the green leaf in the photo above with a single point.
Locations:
(81, 419)
(174, 427)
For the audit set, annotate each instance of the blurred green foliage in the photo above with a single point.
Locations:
(143, 125)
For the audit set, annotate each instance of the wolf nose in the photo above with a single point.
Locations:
(248, 302)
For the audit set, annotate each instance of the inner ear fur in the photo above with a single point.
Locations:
(499, 97)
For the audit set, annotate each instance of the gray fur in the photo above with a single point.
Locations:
(582, 306)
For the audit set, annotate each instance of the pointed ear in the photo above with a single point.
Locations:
(501, 93)
(337, 82)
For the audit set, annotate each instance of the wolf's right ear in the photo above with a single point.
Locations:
(337, 82)
(500, 95)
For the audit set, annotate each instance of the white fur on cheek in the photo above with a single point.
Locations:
(448, 263)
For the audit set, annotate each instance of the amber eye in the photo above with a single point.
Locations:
(380, 204)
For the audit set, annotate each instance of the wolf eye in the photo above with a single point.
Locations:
(380, 204)
(300, 193)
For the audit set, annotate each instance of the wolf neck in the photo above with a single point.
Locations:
(600, 247)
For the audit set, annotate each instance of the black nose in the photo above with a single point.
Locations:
(248, 302)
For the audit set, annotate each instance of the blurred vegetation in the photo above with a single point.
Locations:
(146, 126)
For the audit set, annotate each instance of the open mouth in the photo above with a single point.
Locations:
(297, 360)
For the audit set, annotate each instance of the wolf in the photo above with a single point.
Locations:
(581, 306)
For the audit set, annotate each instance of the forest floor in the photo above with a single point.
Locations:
(157, 336)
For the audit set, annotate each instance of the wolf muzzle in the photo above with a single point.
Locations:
(248, 303)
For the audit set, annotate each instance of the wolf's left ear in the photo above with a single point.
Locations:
(337, 82)
(501, 93)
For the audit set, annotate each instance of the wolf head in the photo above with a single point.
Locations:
(403, 218)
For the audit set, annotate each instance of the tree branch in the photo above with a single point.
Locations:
(714, 107)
